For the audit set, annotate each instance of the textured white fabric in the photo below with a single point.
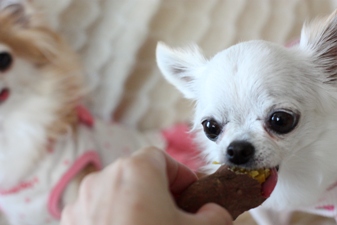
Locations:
(327, 205)
(117, 40)
(107, 34)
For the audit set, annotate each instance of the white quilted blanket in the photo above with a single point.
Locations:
(116, 40)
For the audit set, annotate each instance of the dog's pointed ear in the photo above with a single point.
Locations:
(21, 14)
(16, 12)
(181, 67)
(320, 38)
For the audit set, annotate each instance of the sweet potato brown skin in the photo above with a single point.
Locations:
(235, 192)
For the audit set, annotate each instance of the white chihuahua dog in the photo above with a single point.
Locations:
(261, 105)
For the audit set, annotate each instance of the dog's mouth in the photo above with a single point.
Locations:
(267, 177)
(270, 183)
(4, 94)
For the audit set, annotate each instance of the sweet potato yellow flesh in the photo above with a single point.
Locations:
(260, 174)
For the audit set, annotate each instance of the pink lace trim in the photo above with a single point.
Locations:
(86, 159)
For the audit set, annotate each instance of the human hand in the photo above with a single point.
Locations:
(138, 190)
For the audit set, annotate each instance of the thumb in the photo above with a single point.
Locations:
(213, 214)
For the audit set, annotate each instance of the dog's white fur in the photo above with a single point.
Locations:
(44, 131)
(241, 85)
(35, 86)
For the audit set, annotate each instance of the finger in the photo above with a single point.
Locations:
(213, 214)
(87, 186)
(67, 216)
(178, 176)
(140, 173)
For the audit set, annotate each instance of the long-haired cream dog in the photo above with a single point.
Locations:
(48, 141)
(261, 105)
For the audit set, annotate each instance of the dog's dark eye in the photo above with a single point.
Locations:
(282, 122)
(211, 128)
(5, 61)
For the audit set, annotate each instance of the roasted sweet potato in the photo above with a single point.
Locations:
(235, 191)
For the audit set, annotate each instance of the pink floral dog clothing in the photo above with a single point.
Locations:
(37, 199)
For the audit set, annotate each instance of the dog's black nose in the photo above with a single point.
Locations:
(239, 152)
